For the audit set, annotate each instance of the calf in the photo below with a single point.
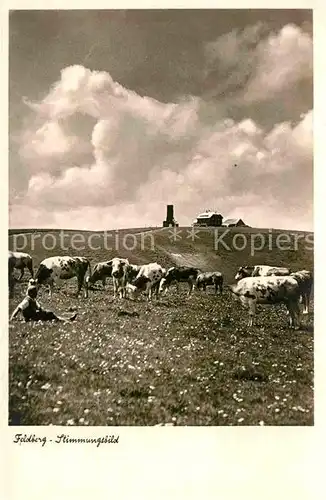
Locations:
(177, 275)
(212, 278)
(305, 281)
(252, 271)
(148, 280)
(119, 275)
(269, 290)
(20, 260)
(54, 269)
(101, 271)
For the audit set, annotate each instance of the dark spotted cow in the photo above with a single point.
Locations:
(148, 280)
(177, 275)
(269, 290)
(210, 278)
(54, 269)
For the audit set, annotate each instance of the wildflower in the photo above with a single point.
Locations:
(45, 387)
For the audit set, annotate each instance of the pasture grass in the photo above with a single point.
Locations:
(181, 361)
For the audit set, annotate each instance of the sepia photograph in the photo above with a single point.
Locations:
(161, 238)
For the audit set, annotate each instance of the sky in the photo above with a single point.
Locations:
(115, 114)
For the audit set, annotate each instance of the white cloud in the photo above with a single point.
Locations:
(48, 140)
(257, 66)
(143, 154)
(282, 60)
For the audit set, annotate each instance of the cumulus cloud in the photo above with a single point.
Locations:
(101, 156)
(258, 65)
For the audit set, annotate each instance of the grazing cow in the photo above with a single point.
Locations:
(211, 278)
(269, 290)
(305, 280)
(20, 260)
(148, 280)
(119, 275)
(177, 275)
(252, 271)
(101, 271)
(53, 269)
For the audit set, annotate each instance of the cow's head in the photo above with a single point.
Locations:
(118, 267)
(169, 276)
(163, 285)
(43, 274)
(243, 272)
(132, 291)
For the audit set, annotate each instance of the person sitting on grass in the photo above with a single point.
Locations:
(32, 310)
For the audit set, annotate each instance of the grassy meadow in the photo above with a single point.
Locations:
(176, 361)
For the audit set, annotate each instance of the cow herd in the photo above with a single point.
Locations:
(254, 284)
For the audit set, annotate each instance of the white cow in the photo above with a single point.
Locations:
(148, 280)
(269, 290)
(119, 276)
(247, 271)
(54, 269)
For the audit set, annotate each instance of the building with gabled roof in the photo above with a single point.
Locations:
(208, 218)
(233, 223)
